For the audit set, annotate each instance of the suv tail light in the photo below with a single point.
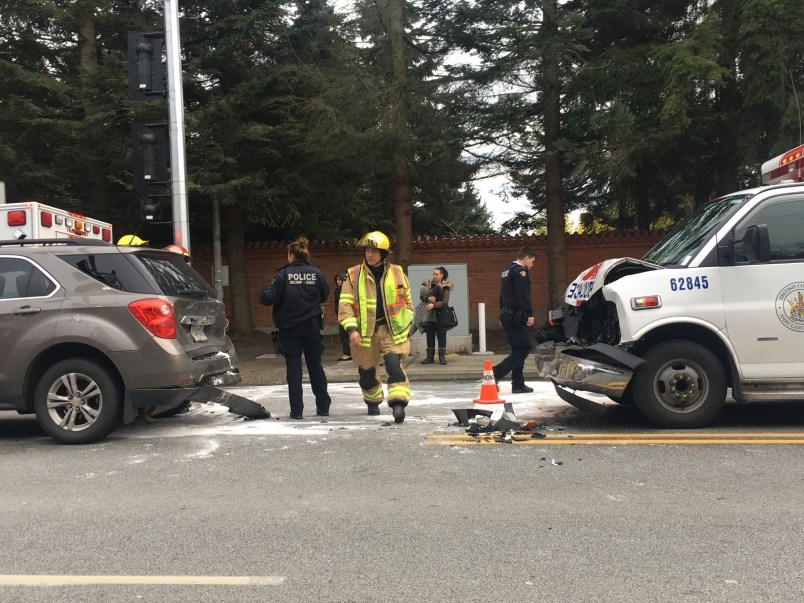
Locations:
(156, 315)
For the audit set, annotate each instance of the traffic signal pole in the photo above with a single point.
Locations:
(178, 161)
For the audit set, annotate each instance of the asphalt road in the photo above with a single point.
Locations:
(208, 507)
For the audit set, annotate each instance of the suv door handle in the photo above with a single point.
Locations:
(25, 310)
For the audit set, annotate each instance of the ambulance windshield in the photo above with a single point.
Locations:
(678, 247)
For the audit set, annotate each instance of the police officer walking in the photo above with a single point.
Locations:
(516, 315)
(296, 294)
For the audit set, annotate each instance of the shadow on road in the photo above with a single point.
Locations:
(758, 415)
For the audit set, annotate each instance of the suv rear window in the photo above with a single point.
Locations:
(172, 274)
(112, 269)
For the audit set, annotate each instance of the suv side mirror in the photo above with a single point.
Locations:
(756, 243)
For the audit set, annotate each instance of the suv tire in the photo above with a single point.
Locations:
(98, 401)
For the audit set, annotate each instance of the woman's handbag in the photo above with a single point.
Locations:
(446, 318)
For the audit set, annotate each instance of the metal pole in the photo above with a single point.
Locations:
(481, 327)
(178, 171)
(217, 281)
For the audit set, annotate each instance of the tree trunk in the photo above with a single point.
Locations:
(403, 190)
(88, 69)
(644, 214)
(556, 241)
(240, 297)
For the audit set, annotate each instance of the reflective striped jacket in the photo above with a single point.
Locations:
(358, 302)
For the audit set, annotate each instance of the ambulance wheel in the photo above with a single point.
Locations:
(681, 385)
(78, 401)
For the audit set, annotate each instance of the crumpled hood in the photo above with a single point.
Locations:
(591, 280)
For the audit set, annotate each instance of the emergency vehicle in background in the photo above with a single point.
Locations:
(34, 220)
(787, 167)
(716, 306)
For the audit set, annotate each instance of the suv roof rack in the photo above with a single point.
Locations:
(70, 242)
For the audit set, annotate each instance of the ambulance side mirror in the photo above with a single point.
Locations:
(756, 243)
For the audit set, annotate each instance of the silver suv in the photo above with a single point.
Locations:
(93, 333)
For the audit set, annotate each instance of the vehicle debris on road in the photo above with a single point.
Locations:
(508, 427)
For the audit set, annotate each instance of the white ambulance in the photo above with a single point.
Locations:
(717, 305)
(787, 167)
(34, 220)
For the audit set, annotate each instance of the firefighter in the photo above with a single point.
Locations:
(296, 294)
(376, 310)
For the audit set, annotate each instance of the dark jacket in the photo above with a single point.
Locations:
(515, 289)
(440, 292)
(337, 291)
(296, 294)
(337, 295)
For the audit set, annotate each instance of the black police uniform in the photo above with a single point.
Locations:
(296, 294)
(515, 309)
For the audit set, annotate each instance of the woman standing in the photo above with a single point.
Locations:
(296, 294)
(435, 293)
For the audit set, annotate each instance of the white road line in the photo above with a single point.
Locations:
(63, 580)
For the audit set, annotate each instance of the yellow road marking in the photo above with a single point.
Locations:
(58, 580)
(624, 438)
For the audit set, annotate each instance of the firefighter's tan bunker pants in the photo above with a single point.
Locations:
(368, 360)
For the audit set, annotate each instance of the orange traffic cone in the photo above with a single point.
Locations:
(488, 391)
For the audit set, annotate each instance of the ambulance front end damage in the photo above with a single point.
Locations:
(581, 350)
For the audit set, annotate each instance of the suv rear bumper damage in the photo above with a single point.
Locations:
(598, 368)
(207, 392)
(208, 374)
(217, 369)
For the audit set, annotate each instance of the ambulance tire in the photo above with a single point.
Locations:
(98, 399)
(682, 385)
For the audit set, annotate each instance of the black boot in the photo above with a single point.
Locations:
(399, 412)
(430, 356)
(441, 354)
(373, 409)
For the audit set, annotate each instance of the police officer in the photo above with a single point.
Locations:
(516, 315)
(296, 294)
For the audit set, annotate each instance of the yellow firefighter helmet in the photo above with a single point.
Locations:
(131, 240)
(376, 240)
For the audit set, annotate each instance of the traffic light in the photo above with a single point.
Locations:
(145, 64)
(149, 145)
(151, 210)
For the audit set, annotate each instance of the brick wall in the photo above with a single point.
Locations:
(485, 257)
